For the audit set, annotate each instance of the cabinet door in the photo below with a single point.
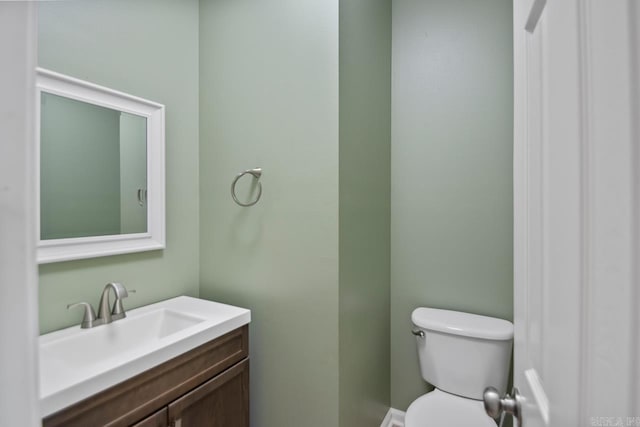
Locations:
(220, 402)
(159, 419)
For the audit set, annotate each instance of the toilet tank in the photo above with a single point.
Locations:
(463, 353)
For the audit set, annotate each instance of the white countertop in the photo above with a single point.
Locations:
(76, 363)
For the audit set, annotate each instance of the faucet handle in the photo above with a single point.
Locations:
(117, 312)
(89, 318)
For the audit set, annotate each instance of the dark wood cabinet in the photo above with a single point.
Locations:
(207, 386)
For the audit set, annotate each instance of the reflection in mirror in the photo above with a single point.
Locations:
(93, 170)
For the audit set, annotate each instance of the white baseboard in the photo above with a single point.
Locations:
(394, 418)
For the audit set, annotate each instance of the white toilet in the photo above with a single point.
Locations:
(460, 355)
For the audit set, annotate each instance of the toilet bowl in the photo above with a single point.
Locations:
(439, 408)
(460, 355)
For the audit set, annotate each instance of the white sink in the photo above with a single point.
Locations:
(76, 363)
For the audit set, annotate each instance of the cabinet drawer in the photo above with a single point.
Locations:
(130, 401)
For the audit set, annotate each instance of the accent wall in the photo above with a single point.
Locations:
(451, 169)
(301, 88)
(151, 52)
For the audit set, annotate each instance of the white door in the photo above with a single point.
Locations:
(577, 211)
(18, 271)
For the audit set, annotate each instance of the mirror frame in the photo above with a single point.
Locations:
(55, 250)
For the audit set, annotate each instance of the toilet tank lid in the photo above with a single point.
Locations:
(464, 324)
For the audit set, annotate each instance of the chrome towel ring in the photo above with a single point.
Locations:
(256, 173)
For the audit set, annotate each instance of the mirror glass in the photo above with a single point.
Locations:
(93, 170)
(101, 171)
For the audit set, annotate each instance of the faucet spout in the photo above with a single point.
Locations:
(104, 310)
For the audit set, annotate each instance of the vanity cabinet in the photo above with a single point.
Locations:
(206, 386)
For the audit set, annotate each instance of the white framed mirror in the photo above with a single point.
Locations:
(101, 177)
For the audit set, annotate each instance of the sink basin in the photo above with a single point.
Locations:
(87, 349)
(76, 363)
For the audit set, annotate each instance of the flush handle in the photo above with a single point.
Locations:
(496, 406)
(418, 333)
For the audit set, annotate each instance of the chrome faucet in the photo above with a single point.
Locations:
(104, 310)
(106, 314)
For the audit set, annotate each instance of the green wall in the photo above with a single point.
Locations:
(365, 138)
(451, 196)
(280, 90)
(269, 98)
(151, 52)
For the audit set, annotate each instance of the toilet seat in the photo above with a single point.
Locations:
(440, 409)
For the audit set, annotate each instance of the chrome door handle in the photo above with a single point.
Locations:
(495, 405)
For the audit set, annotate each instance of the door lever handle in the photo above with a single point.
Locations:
(495, 405)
